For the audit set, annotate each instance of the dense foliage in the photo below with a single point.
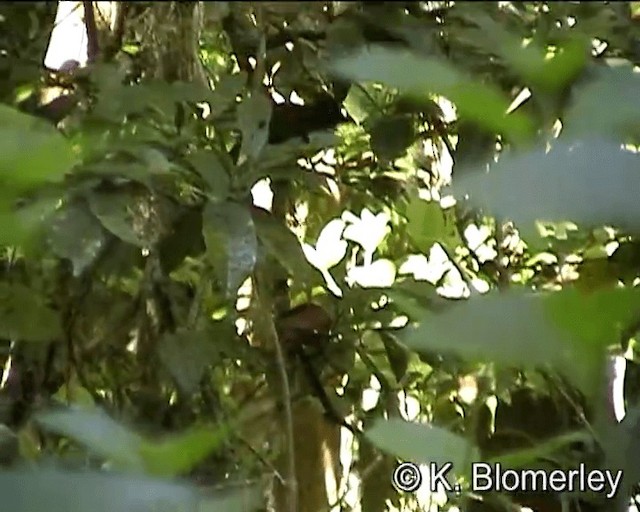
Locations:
(252, 248)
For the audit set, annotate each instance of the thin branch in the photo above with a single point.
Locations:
(286, 398)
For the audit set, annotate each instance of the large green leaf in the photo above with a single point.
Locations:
(76, 235)
(590, 182)
(50, 490)
(179, 454)
(422, 444)
(605, 105)
(594, 318)
(428, 223)
(114, 209)
(529, 61)
(544, 450)
(567, 330)
(99, 433)
(210, 167)
(232, 246)
(254, 114)
(187, 354)
(21, 226)
(419, 76)
(126, 449)
(31, 154)
(283, 245)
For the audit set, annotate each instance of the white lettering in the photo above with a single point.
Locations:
(481, 471)
(492, 477)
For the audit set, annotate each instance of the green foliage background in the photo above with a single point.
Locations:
(149, 309)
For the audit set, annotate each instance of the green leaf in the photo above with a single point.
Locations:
(232, 246)
(593, 182)
(97, 432)
(48, 158)
(76, 235)
(412, 74)
(531, 330)
(283, 245)
(61, 491)
(397, 355)
(181, 453)
(25, 316)
(187, 354)
(22, 226)
(391, 136)
(116, 210)
(73, 393)
(543, 450)
(226, 91)
(254, 114)
(422, 444)
(211, 169)
(360, 103)
(606, 105)
(429, 224)
(530, 61)
(595, 319)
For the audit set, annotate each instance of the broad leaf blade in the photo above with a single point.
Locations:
(60, 491)
(179, 454)
(187, 354)
(98, 432)
(606, 105)
(422, 444)
(531, 330)
(232, 246)
(590, 182)
(48, 158)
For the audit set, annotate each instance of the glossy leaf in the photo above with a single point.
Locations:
(232, 246)
(209, 166)
(76, 235)
(254, 114)
(22, 226)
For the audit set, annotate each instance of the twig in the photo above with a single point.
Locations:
(262, 459)
(286, 397)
